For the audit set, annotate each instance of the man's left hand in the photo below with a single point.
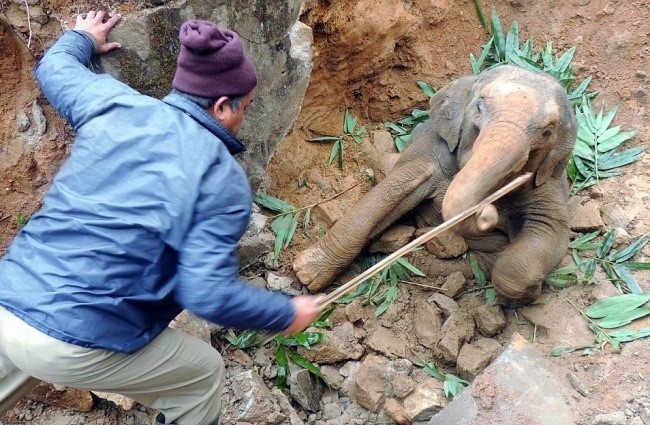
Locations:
(93, 23)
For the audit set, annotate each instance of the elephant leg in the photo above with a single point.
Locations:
(538, 247)
(403, 188)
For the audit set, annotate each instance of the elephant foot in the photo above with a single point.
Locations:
(517, 294)
(311, 267)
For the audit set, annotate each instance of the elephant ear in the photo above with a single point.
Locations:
(447, 109)
(555, 163)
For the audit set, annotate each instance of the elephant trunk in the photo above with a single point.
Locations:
(500, 151)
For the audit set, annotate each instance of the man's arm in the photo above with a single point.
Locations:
(63, 73)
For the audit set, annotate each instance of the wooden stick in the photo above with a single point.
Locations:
(352, 284)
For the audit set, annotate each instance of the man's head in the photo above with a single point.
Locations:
(212, 64)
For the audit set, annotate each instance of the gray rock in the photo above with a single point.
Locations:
(522, 390)
(427, 323)
(454, 283)
(490, 319)
(615, 418)
(426, 400)
(472, 360)
(340, 344)
(305, 388)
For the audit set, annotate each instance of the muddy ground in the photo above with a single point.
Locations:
(368, 55)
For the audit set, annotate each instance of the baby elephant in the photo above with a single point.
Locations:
(483, 131)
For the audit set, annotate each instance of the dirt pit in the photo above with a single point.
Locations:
(368, 55)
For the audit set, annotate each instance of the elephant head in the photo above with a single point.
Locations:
(500, 124)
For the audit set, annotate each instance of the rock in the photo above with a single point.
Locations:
(305, 388)
(586, 218)
(446, 304)
(287, 408)
(396, 412)
(448, 244)
(330, 211)
(192, 325)
(471, 361)
(256, 242)
(282, 51)
(427, 323)
(614, 215)
(489, 345)
(124, 402)
(370, 384)
(355, 311)
(572, 330)
(457, 329)
(517, 388)
(386, 342)
(340, 344)
(332, 376)
(490, 319)
(427, 399)
(393, 239)
(254, 401)
(622, 238)
(275, 282)
(615, 418)
(69, 398)
(454, 283)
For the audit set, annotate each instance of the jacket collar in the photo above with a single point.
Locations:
(199, 114)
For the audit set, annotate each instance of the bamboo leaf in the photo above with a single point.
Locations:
(623, 318)
(632, 265)
(307, 219)
(325, 139)
(336, 148)
(629, 251)
(615, 141)
(563, 63)
(616, 304)
(479, 274)
(349, 122)
(624, 158)
(305, 364)
(426, 88)
(410, 267)
(626, 335)
(608, 242)
(497, 34)
(282, 364)
(272, 203)
(624, 274)
(576, 243)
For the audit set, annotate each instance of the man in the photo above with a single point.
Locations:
(142, 221)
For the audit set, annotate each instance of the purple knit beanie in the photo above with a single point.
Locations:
(212, 62)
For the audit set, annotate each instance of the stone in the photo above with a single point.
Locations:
(448, 244)
(471, 361)
(446, 304)
(517, 388)
(275, 282)
(355, 311)
(457, 329)
(256, 242)
(489, 345)
(395, 411)
(426, 400)
(69, 398)
(332, 376)
(614, 215)
(490, 319)
(192, 325)
(388, 343)
(393, 239)
(287, 407)
(340, 344)
(330, 211)
(571, 331)
(454, 283)
(254, 402)
(305, 388)
(124, 402)
(282, 52)
(586, 218)
(427, 323)
(370, 384)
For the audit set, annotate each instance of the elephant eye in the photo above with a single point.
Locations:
(547, 133)
(480, 104)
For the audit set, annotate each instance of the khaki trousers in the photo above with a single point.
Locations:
(176, 374)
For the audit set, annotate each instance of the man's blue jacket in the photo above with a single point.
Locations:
(142, 221)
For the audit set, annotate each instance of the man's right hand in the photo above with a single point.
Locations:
(307, 309)
(93, 23)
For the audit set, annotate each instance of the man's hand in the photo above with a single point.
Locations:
(93, 23)
(307, 310)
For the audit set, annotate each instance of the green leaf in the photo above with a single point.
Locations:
(479, 274)
(426, 88)
(245, 339)
(626, 335)
(305, 364)
(620, 159)
(629, 251)
(633, 265)
(562, 281)
(272, 203)
(608, 242)
(337, 150)
(623, 318)
(282, 364)
(563, 63)
(349, 122)
(577, 243)
(453, 385)
(307, 220)
(615, 141)
(497, 34)
(624, 274)
(410, 267)
(491, 295)
(325, 139)
(433, 371)
(616, 304)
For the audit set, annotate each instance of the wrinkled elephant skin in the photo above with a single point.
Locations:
(482, 132)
